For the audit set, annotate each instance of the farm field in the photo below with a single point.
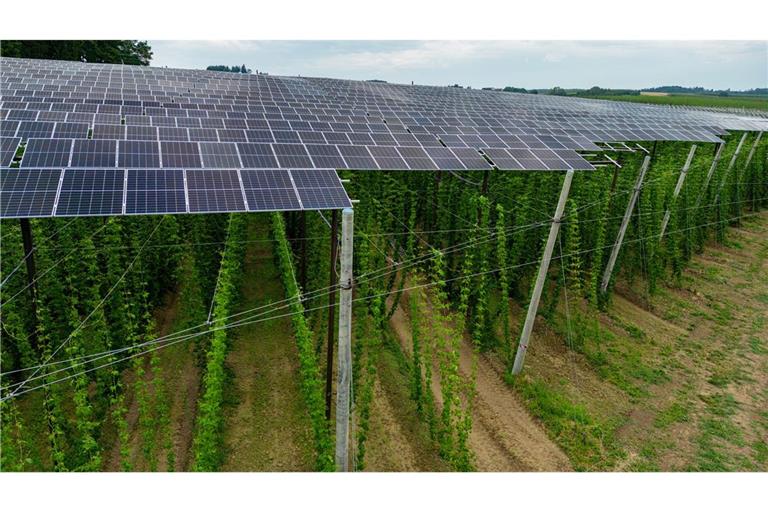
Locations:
(695, 100)
(227, 271)
(665, 373)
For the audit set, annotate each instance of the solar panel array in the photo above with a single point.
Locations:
(95, 122)
(48, 192)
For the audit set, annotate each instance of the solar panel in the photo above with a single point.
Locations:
(28, 192)
(70, 131)
(502, 159)
(387, 158)
(220, 155)
(527, 159)
(444, 158)
(357, 157)
(172, 133)
(142, 133)
(86, 192)
(202, 135)
(183, 155)
(232, 136)
(269, 190)
(214, 191)
(257, 155)
(47, 153)
(320, 189)
(138, 154)
(94, 153)
(109, 131)
(259, 136)
(416, 158)
(292, 155)
(471, 159)
(35, 130)
(8, 128)
(155, 191)
(8, 147)
(325, 155)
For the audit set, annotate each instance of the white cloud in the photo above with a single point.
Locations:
(442, 54)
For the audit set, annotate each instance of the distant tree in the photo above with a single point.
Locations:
(558, 91)
(515, 89)
(113, 52)
(229, 69)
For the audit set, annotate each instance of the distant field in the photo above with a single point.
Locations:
(753, 102)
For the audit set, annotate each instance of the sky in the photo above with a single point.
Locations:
(530, 64)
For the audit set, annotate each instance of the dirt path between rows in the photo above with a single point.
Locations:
(181, 378)
(504, 435)
(267, 428)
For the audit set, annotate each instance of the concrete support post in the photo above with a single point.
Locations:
(344, 380)
(731, 165)
(678, 187)
(624, 224)
(710, 173)
(543, 268)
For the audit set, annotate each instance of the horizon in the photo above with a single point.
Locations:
(540, 65)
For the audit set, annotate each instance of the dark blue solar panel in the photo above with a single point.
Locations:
(35, 130)
(183, 155)
(8, 147)
(138, 153)
(155, 191)
(47, 153)
(292, 155)
(91, 192)
(94, 153)
(257, 155)
(212, 191)
(28, 192)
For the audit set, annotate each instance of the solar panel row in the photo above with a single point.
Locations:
(57, 153)
(497, 138)
(87, 192)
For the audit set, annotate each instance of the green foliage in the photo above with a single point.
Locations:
(589, 444)
(311, 382)
(231, 69)
(112, 52)
(207, 443)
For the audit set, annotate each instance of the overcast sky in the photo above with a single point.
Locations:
(530, 64)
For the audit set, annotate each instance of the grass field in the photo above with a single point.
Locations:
(696, 100)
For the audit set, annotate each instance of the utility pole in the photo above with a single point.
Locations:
(331, 312)
(530, 318)
(624, 224)
(678, 187)
(29, 247)
(344, 381)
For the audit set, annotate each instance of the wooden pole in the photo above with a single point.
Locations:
(344, 381)
(546, 258)
(29, 256)
(484, 189)
(333, 279)
(678, 187)
(624, 224)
